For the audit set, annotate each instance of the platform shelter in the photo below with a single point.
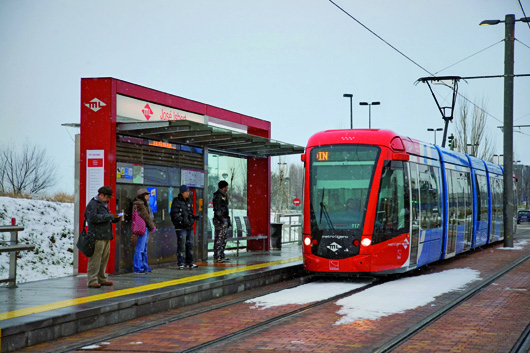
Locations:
(135, 137)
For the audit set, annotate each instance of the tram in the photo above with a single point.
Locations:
(380, 203)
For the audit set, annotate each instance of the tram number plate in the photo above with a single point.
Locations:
(333, 265)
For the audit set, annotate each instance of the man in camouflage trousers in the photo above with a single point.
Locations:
(221, 222)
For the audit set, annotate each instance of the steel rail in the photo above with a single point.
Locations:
(279, 318)
(413, 330)
(88, 342)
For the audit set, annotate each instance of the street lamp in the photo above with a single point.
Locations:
(349, 95)
(499, 156)
(369, 111)
(438, 129)
(508, 122)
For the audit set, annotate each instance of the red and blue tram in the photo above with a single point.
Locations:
(380, 203)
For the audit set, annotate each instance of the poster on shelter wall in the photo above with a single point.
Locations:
(124, 172)
(170, 197)
(152, 199)
(95, 171)
(138, 174)
(194, 178)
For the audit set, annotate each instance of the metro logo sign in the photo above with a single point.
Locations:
(95, 104)
(140, 110)
(147, 111)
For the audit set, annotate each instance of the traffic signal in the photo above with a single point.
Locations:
(451, 142)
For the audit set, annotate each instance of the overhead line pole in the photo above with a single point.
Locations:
(508, 130)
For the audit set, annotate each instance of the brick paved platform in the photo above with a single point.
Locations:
(42, 311)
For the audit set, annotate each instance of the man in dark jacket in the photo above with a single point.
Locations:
(221, 221)
(183, 218)
(99, 219)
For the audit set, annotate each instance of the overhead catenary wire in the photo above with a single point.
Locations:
(522, 9)
(458, 62)
(380, 38)
(407, 57)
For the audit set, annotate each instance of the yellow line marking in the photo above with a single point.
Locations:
(118, 293)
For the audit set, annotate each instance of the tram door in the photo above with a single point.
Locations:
(415, 215)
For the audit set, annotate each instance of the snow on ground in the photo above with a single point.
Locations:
(517, 245)
(304, 294)
(403, 294)
(47, 225)
(383, 300)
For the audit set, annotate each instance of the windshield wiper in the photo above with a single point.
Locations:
(323, 209)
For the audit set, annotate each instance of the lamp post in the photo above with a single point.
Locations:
(438, 129)
(509, 22)
(369, 111)
(349, 95)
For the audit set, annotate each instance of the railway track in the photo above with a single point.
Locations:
(521, 345)
(224, 338)
(263, 323)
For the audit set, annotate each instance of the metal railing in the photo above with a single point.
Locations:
(292, 227)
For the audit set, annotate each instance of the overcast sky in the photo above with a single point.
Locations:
(288, 62)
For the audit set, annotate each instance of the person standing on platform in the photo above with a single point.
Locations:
(141, 205)
(99, 220)
(221, 221)
(183, 218)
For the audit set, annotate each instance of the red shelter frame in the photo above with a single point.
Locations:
(98, 132)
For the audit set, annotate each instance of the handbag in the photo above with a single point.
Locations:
(138, 225)
(86, 242)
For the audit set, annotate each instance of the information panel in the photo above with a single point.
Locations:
(95, 170)
(193, 178)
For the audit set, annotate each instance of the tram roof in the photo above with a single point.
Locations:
(226, 141)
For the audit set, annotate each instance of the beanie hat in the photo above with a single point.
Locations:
(222, 184)
(184, 188)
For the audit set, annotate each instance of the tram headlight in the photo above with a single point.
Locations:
(366, 242)
(307, 241)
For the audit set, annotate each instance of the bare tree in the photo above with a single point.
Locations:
(28, 170)
(471, 136)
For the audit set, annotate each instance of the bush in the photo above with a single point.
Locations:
(61, 197)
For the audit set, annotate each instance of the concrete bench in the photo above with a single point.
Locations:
(12, 246)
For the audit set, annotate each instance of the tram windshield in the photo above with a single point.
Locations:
(340, 181)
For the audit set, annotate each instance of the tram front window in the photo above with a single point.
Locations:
(340, 180)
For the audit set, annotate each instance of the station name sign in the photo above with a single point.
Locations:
(134, 109)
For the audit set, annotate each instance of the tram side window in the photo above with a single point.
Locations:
(453, 209)
(429, 197)
(468, 195)
(498, 195)
(483, 189)
(436, 198)
(392, 215)
(425, 197)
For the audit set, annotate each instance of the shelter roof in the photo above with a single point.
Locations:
(217, 139)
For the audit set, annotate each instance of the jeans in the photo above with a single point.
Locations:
(188, 233)
(140, 253)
